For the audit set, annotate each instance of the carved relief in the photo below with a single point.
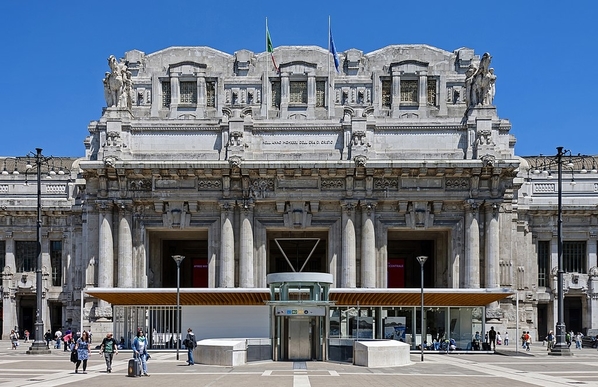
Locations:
(209, 184)
(332, 184)
(385, 184)
(360, 161)
(456, 184)
(260, 187)
(235, 161)
(140, 184)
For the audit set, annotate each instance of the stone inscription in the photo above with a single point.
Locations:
(293, 142)
(298, 142)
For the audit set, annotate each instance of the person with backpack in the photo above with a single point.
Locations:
(190, 343)
(109, 348)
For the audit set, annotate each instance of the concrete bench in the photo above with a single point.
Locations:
(381, 353)
(223, 352)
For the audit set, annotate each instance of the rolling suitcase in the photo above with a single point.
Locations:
(134, 368)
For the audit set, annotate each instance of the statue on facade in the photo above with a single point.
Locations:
(117, 84)
(480, 83)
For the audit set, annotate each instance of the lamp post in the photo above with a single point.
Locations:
(560, 347)
(39, 345)
(422, 259)
(178, 259)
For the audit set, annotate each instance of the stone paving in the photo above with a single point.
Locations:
(504, 368)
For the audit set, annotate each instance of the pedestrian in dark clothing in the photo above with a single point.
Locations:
(109, 348)
(492, 337)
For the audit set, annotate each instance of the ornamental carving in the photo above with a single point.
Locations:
(384, 184)
(360, 161)
(259, 187)
(457, 184)
(209, 184)
(333, 184)
(235, 161)
(488, 160)
(140, 185)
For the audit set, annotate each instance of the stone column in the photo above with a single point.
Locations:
(592, 297)
(368, 246)
(227, 246)
(246, 279)
(9, 305)
(592, 246)
(348, 262)
(472, 246)
(106, 247)
(125, 247)
(423, 89)
(396, 89)
(492, 245)
(175, 91)
(285, 89)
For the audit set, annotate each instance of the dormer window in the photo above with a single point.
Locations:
(409, 91)
(298, 94)
(386, 93)
(211, 94)
(320, 93)
(188, 93)
(166, 95)
(432, 101)
(276, 91)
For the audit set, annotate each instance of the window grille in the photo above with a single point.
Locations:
(574, 256)
(26, 255)
(276, 94)
(188, 93)
(166, 94)
(386, 93)
(298, 92)
(543, 263)
(211, 94)
(409, 91)
(431, 92)
(56, 262)
(320, 93)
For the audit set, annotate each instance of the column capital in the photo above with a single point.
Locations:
(104, 205)
(368, 206)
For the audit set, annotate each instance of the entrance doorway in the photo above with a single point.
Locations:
(300, 338)
(573, 321)
(403, 270)
(26, 317)
(194, 268)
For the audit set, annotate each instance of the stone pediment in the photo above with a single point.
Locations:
(187, 68)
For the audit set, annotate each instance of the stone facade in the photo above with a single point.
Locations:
(247, 171)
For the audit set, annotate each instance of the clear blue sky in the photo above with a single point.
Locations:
(54, 55)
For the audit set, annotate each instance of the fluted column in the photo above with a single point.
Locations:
(368, 246)
(105, 247)
(227, 247)
(472, 246)
(492, 246)
(125, 247)
(348, 264)
(246, 279)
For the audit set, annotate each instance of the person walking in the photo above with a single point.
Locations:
(48, 337)
(83, 351)
(549, 341)
(26, 333)
(109, 348)
(492, 338)
(58, 338)
(190, 343)
(140, 350)
(506, 338)
(14, 339)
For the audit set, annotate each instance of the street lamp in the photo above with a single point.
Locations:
(178, 259)
(39, 345)
(422, 259)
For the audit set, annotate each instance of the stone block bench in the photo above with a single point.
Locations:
(381, 353)
(223, 352)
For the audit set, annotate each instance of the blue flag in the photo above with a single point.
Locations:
(333, 52)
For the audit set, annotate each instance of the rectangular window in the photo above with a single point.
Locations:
(320, 93)
(25, 255)
(276, 94)
(543, 263)
(188, 93)
(2, 255)
(431, 92)
(166, 94)
(386, 94)
(574, 256)
(298, 93)
(409, 91)
(56, 262)
(211, 94)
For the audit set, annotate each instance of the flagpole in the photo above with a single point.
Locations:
(329, 74)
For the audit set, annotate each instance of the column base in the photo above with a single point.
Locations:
(38, 348)
(560, 351)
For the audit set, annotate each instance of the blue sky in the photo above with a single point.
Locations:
(54, 55)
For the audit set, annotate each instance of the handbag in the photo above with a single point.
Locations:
(74, 356)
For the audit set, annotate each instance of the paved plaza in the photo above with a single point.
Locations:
(506, 368)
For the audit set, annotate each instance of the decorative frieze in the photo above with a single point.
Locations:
(385, 184)
(140, 185)
(544, 187)
(457, 184)
(209, 184)
(332, 184)
(56, 188)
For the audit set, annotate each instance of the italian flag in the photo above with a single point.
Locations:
(270, 47)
